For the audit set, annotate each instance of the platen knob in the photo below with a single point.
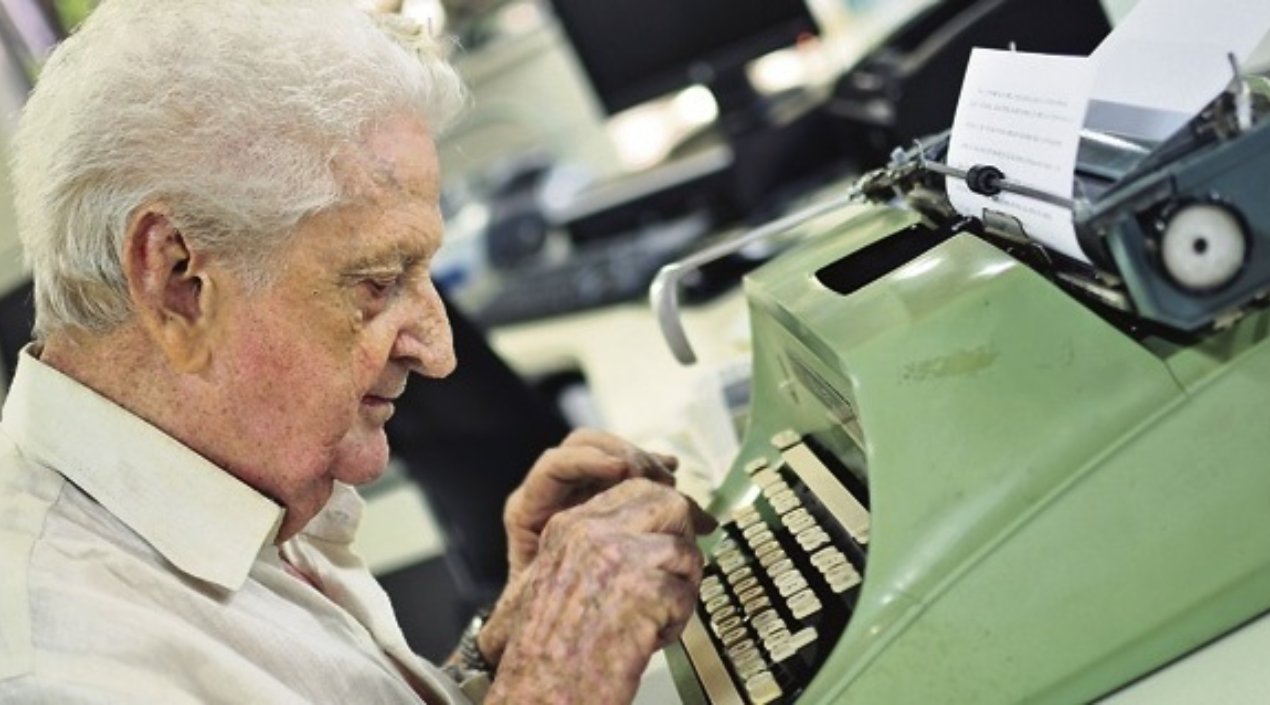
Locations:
(1203, 247)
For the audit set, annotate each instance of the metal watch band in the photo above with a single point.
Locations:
(470, 656)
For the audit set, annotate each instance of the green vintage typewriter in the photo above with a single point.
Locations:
(979, 472)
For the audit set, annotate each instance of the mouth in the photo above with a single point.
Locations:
(377, 409)
(378, 401)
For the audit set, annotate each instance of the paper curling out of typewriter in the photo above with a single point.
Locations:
(980, 471)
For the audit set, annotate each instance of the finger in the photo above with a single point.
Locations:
(702, 521)
(675, 625)
(655, 466)
(678, 603)
(668, 595)
(674, 555)
(596, 438)
(641, 505)
(574, 465)
(671, 462)
(562, 478)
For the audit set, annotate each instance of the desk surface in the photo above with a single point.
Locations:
(640, 392)
(620, 352)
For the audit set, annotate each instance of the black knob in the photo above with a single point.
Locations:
(984, 179)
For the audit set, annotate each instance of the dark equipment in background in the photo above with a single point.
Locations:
(637, 50)
(779, 147)
(17, 318)
(517, 227)
(907, 88)
(623, 230)
(634, 51)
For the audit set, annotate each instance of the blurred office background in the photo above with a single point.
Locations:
(532, 99)
(566, 186)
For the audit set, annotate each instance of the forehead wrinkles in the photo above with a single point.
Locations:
(390, 185)
(389, 162)
(366, 176)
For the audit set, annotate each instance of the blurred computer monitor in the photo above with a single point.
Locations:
(636, 50)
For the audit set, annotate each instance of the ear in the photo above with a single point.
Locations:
(172, 289)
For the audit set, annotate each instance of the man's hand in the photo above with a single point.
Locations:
(615, 580)
(587, 463)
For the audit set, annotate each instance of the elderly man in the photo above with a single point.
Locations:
(229, 207)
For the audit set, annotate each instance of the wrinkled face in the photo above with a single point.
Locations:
(314, 362)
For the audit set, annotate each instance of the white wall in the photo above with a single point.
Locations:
(528, 93)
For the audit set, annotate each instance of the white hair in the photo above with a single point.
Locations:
(228, 113)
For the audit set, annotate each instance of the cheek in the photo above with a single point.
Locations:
(290, 373)
(372, 350)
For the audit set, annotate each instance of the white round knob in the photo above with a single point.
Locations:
(1203, 247)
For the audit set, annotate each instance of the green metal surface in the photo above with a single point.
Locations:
(690, 692)
(1057, 508)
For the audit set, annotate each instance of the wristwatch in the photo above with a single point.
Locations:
(469, 651)
(470, 669)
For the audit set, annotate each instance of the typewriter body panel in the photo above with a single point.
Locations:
(1052, 507)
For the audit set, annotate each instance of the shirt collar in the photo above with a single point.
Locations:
(203, 520)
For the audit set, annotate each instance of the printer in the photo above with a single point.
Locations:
(978, 471)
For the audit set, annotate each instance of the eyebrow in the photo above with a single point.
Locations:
(396, 259)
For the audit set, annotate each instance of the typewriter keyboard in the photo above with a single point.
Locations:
(781, 584)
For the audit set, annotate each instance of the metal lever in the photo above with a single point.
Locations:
(663, 293)
(988, 181)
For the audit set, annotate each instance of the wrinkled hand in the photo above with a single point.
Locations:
(615, 579)
(585, 464)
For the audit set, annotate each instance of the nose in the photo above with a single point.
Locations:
(424, 342)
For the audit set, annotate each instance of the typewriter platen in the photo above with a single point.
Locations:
(977, 472)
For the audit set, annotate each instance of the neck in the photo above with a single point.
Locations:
(118, 365)
(126, 368)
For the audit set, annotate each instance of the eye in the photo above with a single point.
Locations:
(381, 287)
(376, 293)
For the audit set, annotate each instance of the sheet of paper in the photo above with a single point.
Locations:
(1022, 113)
(1259, 60)
(1167, 59)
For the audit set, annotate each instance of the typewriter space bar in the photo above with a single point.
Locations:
(709, 667)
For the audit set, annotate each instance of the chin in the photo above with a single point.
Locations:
(360, 457)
